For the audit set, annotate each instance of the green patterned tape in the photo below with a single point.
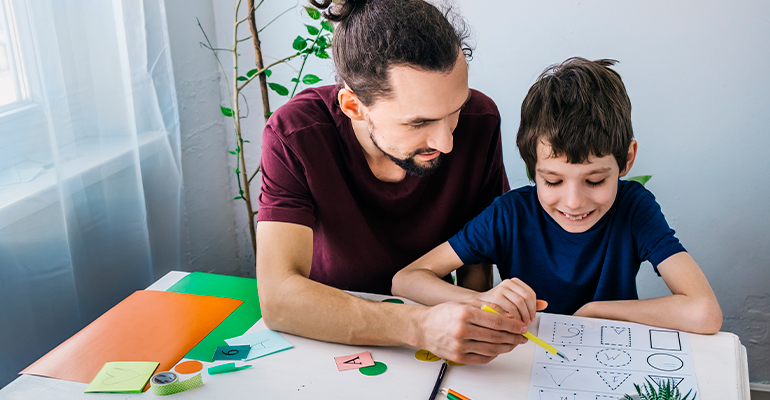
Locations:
(165, 383)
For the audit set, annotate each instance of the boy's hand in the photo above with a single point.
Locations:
(516, 298)
(462, 332)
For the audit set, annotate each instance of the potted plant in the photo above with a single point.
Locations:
(663, 390)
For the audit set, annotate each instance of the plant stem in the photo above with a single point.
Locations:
(246, 195)
(258, 58)
(304, 60)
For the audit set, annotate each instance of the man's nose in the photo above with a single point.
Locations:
(441, 138)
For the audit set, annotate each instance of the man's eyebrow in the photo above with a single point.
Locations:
(420, 120)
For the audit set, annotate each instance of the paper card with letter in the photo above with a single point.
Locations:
(148, 325)
(262, 343)
(606, 359)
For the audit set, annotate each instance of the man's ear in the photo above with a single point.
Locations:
(631, 157)
(350, 104)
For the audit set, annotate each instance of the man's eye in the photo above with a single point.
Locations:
(418, 126)
(547, 183)
(595, 183)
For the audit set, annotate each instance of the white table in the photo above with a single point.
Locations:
(308, 371)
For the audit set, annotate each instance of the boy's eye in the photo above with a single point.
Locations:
(547, 183)
(595, 183)
(418, 126)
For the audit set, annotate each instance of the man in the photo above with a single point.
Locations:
(361, 179)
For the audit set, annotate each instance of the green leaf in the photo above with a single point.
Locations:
(327, 25)
(280, 89)
(313, 13)
(295, 80)
(322, 54)
(252, 72)
(269, 114)
(299, 43)
(232, 152)
(242, 78)
(247, 141)
(310, 79)
(312, 30)
(641, 178)
(268, 73)
(226, 111)
(321, 42)
(237, 198)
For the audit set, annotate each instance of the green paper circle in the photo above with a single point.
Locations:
(397, 301)
(376, 369)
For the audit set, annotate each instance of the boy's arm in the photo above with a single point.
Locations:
(420, 282)
(692, 305)
(293, 303)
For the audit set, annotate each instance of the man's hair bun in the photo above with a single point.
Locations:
(337, 11)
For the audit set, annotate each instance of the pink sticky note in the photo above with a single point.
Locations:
(354, 361)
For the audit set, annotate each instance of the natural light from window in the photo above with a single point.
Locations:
(9, 83)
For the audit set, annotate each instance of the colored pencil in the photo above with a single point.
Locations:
(540, 342)
(453, 395)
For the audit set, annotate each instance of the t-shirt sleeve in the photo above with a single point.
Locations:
(285, 194)
(655, 239)
(480, 239)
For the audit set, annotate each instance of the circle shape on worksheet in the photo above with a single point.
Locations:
(376, 369)
(425, 355)
(188, 367)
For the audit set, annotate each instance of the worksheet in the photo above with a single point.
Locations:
(606, 358)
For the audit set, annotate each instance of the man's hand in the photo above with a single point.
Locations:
(516, 299)
(460, 331)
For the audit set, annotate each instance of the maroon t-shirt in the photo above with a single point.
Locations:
(365, 230)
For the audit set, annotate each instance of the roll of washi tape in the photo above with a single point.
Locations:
(165, 383)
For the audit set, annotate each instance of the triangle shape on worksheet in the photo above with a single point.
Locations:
(613, 379)
(559, 375)
(675, 380)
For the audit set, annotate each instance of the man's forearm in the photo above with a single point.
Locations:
(310, 309)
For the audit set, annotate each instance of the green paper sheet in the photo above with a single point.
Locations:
(118, 377)
(244, 289)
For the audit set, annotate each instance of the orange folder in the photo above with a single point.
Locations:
(148, 325)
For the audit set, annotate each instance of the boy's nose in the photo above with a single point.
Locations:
(574, 198)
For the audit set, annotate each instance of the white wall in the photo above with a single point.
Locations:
(696, 72)
(209, 226)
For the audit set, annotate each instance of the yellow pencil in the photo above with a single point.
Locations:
(540, 342)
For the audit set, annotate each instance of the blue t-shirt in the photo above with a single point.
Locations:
(566, 269)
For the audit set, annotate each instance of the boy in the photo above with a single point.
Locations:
(578, 236)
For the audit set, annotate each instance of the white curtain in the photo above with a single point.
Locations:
(90, 175)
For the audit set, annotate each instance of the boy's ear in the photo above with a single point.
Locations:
(631, 157)
(350, 104)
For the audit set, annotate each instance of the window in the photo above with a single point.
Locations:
(12, 87)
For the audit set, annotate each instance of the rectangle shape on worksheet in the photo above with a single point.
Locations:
(606, 359)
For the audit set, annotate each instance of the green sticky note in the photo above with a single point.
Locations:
(244, 289)
(116, 377)
(224, 368)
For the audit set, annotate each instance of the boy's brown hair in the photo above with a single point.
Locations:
(580, 108)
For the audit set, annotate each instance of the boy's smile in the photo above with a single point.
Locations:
(577, 196)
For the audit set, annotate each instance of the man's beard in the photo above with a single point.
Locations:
(409, 164)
